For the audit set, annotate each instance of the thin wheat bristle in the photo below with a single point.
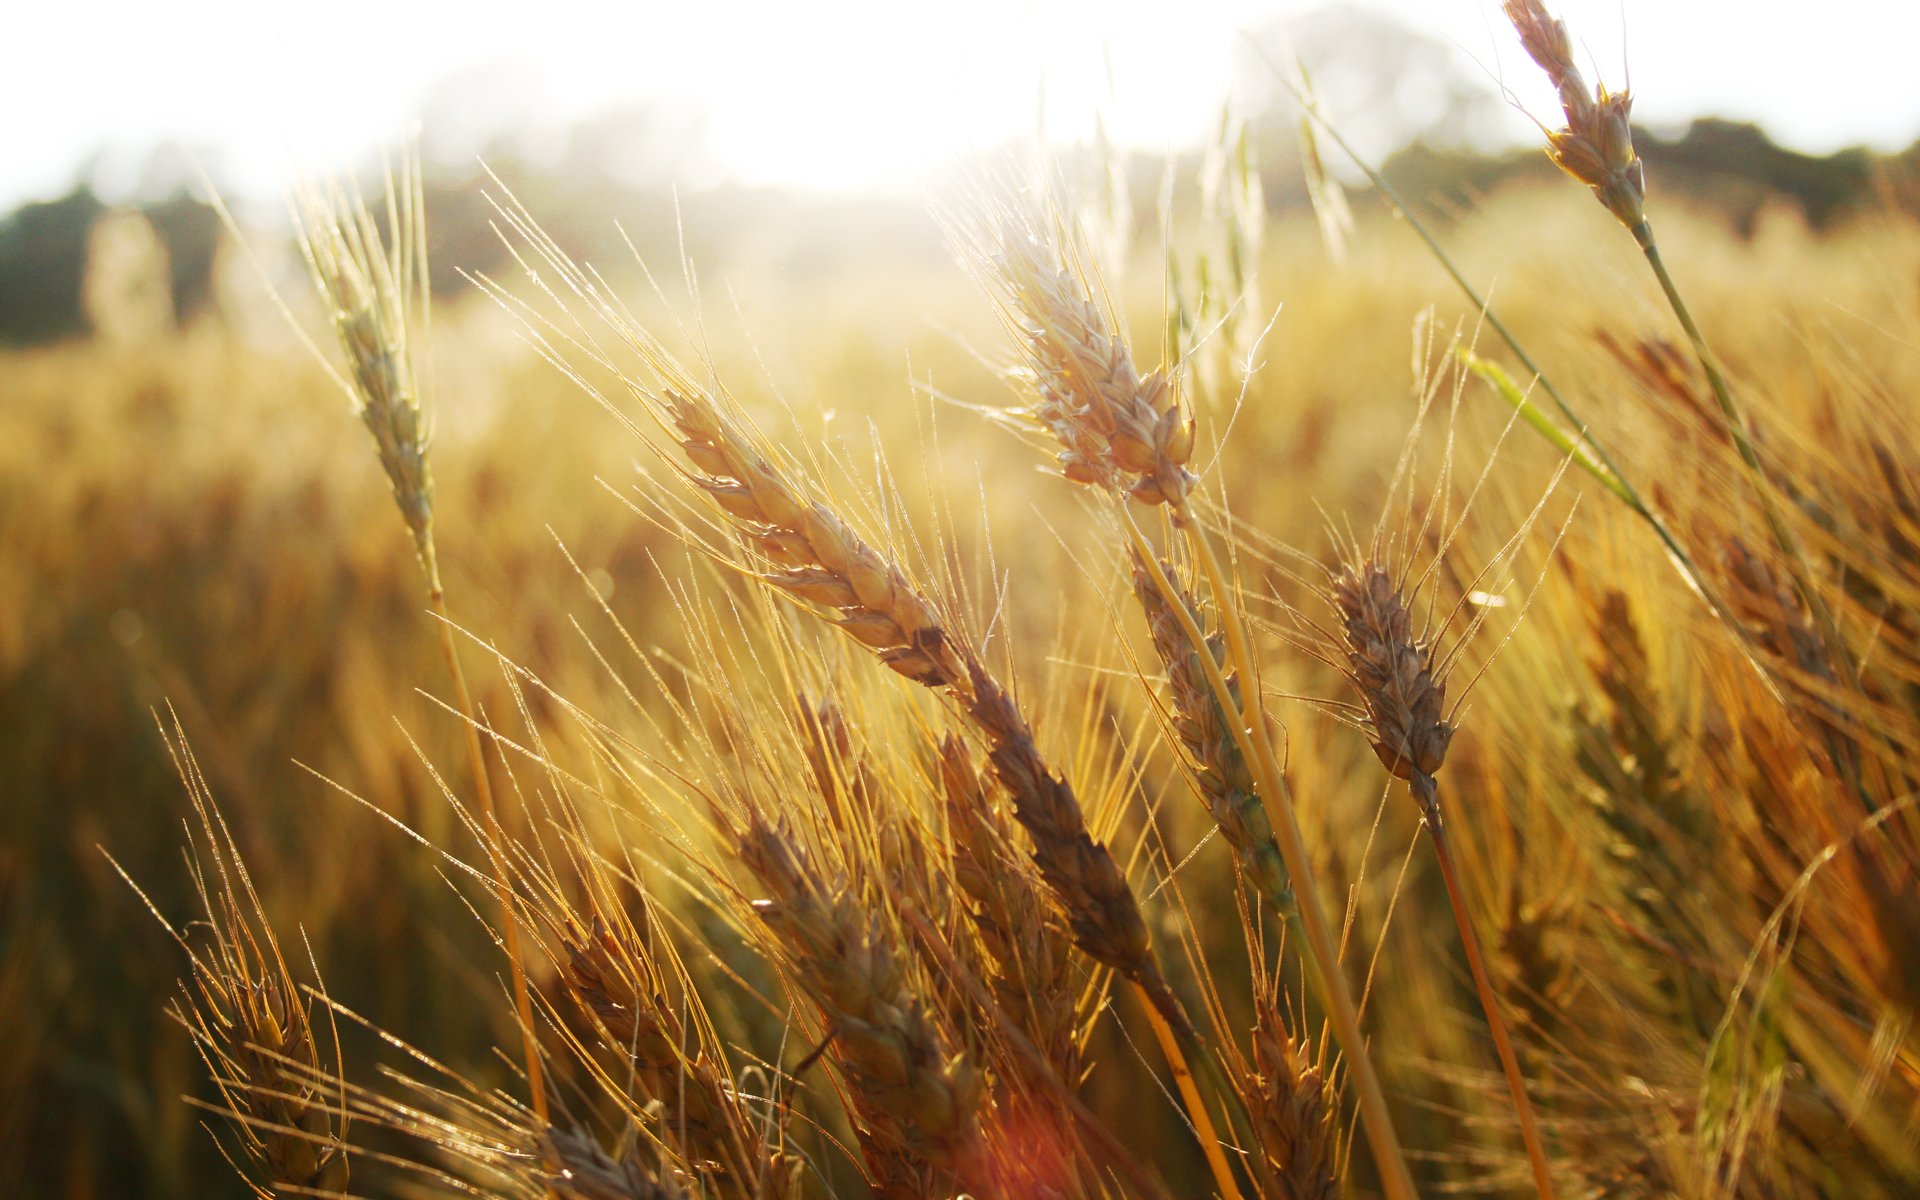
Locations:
(1596, 146)
(1394, 672)
(1219, 769)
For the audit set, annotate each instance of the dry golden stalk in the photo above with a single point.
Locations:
(575, 1167)
(1052, 313)
(1030, 975)
(1404, 693)
(1219, 769)
(1596, 146)
(1292, 1112)
(1116, 428)
(918, 1100)
(824, 563)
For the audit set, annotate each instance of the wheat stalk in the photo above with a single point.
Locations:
(1045, 295)
(375, 294)
(1403, 688)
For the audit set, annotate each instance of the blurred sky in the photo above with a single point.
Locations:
(835, 94)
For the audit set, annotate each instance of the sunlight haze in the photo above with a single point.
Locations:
(835, 96)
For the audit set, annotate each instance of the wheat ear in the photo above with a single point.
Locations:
(250, 1019)
(375, 295)
(1403, 689)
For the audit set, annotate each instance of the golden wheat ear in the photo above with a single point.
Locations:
(250, 1019)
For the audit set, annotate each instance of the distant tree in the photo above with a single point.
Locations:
(1388, 85)
(191, 230)
(43, 257)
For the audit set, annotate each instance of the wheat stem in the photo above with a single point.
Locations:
(1190, 1094)
(1424, 790)
(1737, 429)
(483, 791)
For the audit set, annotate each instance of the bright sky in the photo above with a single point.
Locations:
(844, 94)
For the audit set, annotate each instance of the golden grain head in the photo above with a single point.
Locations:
(1394, 672)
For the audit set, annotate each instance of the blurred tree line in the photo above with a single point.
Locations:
(1405, 99)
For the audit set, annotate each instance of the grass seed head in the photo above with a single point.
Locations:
(1394, 672)
(1596, 145)
(374, 293)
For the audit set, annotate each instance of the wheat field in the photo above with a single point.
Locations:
(1293, 728)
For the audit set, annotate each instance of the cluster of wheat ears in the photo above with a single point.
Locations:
(951, 927)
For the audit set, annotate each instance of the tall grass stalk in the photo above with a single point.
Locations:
(1596, 148)
(1323, 952)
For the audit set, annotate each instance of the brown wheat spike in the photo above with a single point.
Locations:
(249, 1020)
(605, 967)
(918, 1100)
(575, 1167)
(1292, 1112)
(1028, 951)
(824, 563)
(1220, 770)
(1116, 428)
(1394, 672)
(1596, 146)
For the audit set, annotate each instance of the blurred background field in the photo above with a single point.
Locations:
(190, 519)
